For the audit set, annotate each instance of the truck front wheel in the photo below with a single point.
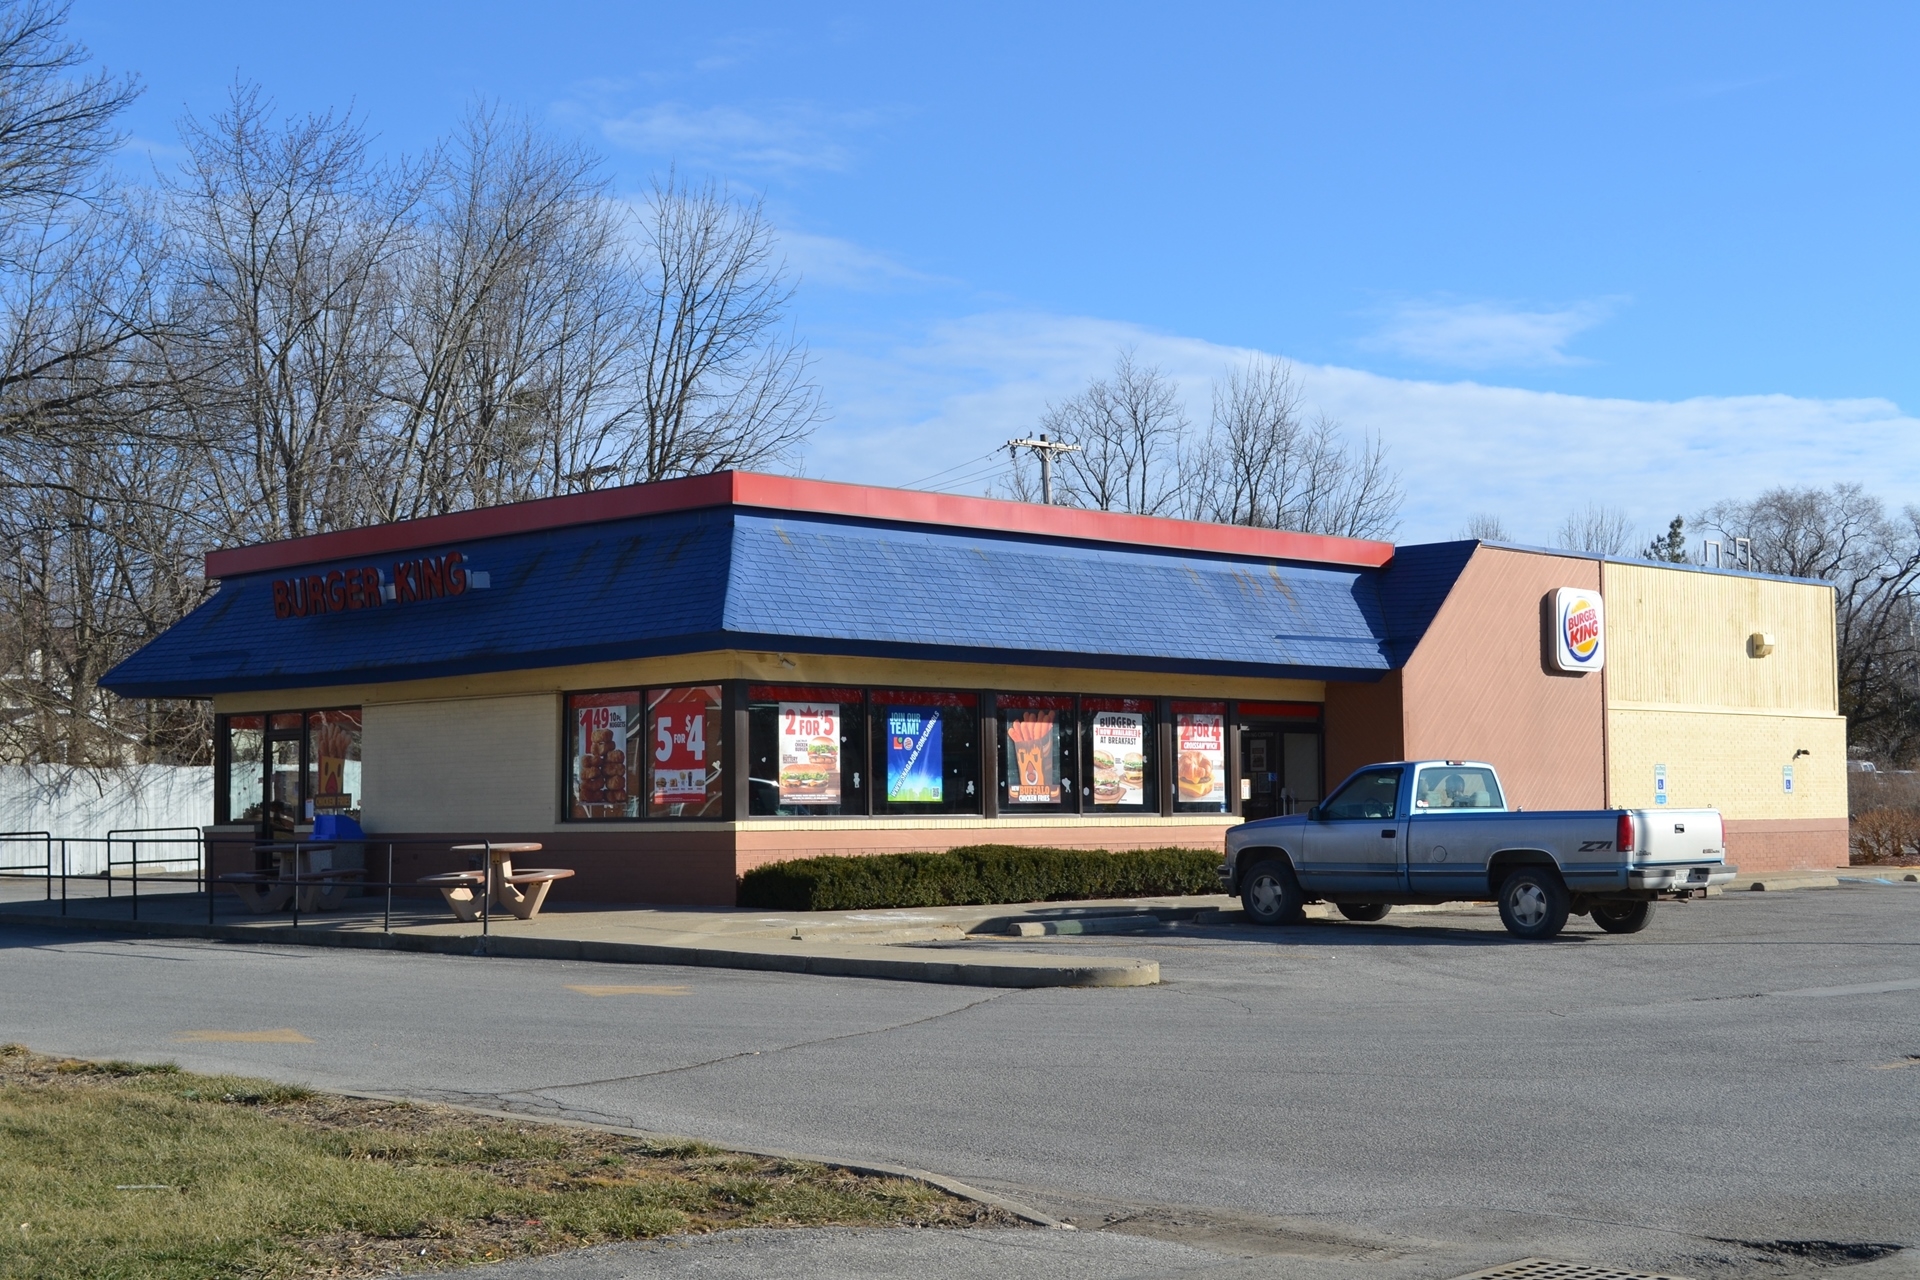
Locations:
(1534, 903)
(1271, 894)
(1622, 917)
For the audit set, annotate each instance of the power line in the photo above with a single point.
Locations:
(991, 453)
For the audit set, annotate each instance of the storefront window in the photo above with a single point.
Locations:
(1122, 749)
(333, 762)
(928, 745)
(807, 749)
(1037, 753)
(1200, 760)
(603, 776)
(683, 752)
(245, 753)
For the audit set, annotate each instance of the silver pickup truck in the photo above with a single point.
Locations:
(1432, 831)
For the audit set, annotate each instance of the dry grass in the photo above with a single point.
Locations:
(120, 1170)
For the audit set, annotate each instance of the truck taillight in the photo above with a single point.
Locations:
(1623, 834)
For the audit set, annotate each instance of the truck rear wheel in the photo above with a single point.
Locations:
(1622, 917)
(1365, 912)
(1271, 894)
(1534, 903)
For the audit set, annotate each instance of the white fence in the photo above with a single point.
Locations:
(74, 803)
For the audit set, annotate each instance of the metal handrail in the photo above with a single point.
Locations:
(44, 866)
(204, 881)
(135, 836)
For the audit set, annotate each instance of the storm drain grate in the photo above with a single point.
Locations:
(1548, 1269)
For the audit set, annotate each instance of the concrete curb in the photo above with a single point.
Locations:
(952, 1186)
(1784, 880)
(846, 961)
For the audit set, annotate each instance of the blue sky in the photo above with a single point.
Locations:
(1643, 255)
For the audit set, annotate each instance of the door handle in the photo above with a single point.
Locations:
(1389, 834)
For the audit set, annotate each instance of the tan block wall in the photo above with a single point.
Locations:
(1684, 690)
(1730, 761)
(469, 764)
(1676, 637)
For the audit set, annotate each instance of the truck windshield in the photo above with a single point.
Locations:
(1372, 794)
(1456, 787)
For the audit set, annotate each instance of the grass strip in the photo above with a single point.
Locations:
(977, 874)
(116, 1170)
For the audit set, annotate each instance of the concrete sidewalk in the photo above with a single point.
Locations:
(864, 944)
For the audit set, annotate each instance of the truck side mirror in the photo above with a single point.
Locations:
(1315, 815)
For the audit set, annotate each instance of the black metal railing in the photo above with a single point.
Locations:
(179, 856)
(24, 841)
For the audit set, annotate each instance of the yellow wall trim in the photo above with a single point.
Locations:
(777, 668)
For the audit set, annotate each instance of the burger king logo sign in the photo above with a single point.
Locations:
(1580, 631)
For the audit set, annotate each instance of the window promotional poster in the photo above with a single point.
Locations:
(809, 753)
(1033, 743)
(601, 769)
(681, 760)
(1119, 758)
(1201, 738)
(914, 775)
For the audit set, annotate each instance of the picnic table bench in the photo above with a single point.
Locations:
(321, 888)
(520, 892)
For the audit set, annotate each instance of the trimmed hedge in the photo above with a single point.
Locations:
(980, 873)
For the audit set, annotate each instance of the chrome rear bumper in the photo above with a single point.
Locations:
(1684, 875)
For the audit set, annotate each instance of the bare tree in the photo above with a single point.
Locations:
(1129, 427)
(719, 384)
(1485, 527)
(516, 331)
(1845, 536)
(56, 126)
(289, 336)
(289, 237)
(1597, 528)
(1352, 491)
(1264, 462)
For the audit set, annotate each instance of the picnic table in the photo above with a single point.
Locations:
(520, 892)
(300, 867)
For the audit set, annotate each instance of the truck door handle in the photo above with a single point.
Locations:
(1389, 834)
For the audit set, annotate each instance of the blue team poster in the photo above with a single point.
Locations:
(914, 775)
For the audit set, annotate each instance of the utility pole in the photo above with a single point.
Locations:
(1044, 449)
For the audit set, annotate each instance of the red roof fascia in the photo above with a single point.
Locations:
(788, 493)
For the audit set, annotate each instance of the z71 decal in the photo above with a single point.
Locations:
(1595, 846)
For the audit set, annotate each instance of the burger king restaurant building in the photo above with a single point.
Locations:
(670, 684)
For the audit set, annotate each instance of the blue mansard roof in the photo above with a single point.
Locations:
(734, 577)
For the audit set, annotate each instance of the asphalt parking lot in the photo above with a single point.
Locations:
(1735, 1091)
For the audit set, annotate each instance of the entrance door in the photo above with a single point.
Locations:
(1259, 773)
(1279, 769)
(286, 736)
(1356, 846)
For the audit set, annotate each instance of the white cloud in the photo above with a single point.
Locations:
(783, 136)
(1486, 335)
(957, 390)
(842, 264)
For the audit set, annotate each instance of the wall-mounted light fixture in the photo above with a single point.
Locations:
(1760, 644)
(1801, 752)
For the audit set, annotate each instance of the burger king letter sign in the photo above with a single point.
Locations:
(1580, 630)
